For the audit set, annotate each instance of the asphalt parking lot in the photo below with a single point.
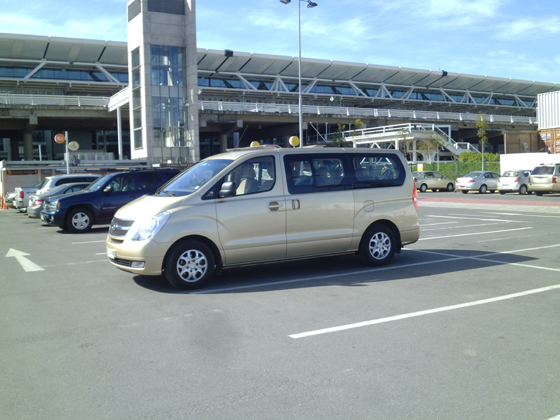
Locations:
(463, 324)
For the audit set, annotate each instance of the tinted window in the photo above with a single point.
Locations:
(377, 170)
(543, 170)
(316, 173)
(124, 182)
(150, 180)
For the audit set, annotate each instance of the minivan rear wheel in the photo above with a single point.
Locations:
(189, 265)
(378, 245)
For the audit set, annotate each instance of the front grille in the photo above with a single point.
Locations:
(119, 261)
(119, 227)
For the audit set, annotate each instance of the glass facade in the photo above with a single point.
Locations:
(61, 74)
(136, 98)
(169, 104)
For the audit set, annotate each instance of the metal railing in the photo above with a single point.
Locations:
(246, 107)
(53, 100)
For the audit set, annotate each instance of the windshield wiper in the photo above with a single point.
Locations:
(169, 193)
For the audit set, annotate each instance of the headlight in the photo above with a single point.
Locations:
(144, 230)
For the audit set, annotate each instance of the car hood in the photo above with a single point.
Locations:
(147, 206)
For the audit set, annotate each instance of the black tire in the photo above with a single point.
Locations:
(435, 190)
(464, 192)
(538, 194)
(189, 265)
(79, 220)
(502, 192)
(378, 245)
(450, 187)
(523, 189)
(423, 188)
(483, 188)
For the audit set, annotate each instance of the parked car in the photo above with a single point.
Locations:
(480, 181)
(544, 179)
(36, 201)
(514, 181)
(428, 180)
(97, 203)
(21, 196)
(254, 205)
(56, 180)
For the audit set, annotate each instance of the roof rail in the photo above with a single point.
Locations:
(264, 146)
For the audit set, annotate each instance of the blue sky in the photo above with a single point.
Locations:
(516, 39)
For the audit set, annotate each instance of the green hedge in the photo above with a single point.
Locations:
(458, 169)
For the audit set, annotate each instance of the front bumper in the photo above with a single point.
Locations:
(52, 217)
(123, 253)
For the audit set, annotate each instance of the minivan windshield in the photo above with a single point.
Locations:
(194, 178)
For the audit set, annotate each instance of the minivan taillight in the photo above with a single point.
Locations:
(21, 194)
(415, 197)
(554, 179)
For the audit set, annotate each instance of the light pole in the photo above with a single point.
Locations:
(310, 5)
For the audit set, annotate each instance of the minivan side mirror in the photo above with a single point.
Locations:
(227, 190)
(108, 189)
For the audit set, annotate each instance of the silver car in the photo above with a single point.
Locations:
(480, 181)
(36, 201)
(514, 181)
(429, 180)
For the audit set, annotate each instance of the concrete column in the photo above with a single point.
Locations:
(119, 132)
(28, 144)
(223, 142)
(193, 139)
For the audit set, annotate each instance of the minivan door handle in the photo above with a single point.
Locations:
(296, 205)
(274, 206)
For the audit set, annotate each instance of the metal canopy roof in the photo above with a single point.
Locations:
(286, 66)
(71, 51)
(29, 47)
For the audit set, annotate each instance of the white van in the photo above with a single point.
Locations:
(267, 204)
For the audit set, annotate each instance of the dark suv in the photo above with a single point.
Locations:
(97, 203)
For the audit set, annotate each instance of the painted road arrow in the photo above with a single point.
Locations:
(24, 262)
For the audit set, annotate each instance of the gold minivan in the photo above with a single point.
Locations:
(264, 204)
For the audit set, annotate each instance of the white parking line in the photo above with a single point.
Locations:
(434, 224)
(426, 312)
(471, 234)
(88, 242)
(472, 217)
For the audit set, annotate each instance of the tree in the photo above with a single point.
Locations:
(482, 126)
(337, 139)
(428, 146)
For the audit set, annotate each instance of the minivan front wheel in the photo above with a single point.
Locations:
(79, 220)
(189, 265)
(378, 245)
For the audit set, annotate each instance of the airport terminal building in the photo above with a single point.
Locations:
(160, 98)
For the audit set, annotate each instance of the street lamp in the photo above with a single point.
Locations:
(310, 5)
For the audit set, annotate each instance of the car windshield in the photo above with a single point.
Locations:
(194, 178)
(543, 170)
(473, 175)
(97, 184)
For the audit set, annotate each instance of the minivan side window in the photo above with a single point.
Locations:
(377, 170)
(317, 173)
(253, 176)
